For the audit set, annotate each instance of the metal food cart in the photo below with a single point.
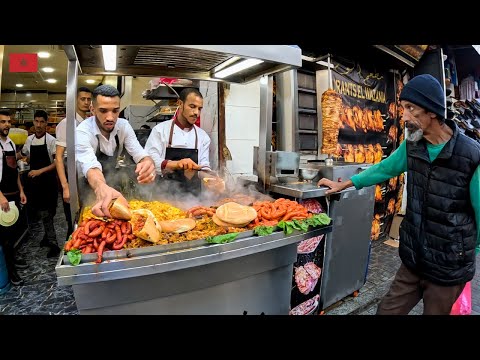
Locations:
(251, 275)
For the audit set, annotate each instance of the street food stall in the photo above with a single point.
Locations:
(115, 269)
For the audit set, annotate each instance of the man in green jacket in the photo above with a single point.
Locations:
(438, 236)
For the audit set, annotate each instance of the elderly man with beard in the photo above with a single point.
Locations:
(100, 141)
(438, 236)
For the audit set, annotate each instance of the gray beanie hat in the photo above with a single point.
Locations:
(426, 92)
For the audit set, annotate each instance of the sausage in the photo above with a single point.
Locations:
(118, 246)
(97, 231)
(111, 237)
(100, 252)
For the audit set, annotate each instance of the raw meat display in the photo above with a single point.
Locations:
(306, 307)
(309, 245)
(306, 277)
(312, 205)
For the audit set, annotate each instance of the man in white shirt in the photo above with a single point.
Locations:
(100, 140)
(84, 98)
(41, 185)
(179, 148)
(11, 189)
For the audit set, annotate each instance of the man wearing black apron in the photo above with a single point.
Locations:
(84, 98)
(11, 189)
(99, 141)
(179, 148)
(41, 184)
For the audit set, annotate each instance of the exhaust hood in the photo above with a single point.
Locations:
(196, 62)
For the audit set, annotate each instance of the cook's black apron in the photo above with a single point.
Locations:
(9, 185)
(177, 178)
(42, 190)
(116, 176)
(108, 162)
(9, 188)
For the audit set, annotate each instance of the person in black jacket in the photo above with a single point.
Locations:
(438, 235)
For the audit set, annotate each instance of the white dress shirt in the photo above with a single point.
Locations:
(32, 140)
(6, 147)
(61, 131)
(157, 143)
(86, 143)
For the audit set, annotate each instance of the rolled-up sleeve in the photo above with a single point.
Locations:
(204, 151)
(155, 147)
(61, 134)
(132, 144)
(85, 143)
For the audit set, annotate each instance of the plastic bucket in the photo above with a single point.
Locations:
(4, 281)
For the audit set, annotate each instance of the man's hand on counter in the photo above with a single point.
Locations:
(334, 186)
(145, 170)
(105, 194)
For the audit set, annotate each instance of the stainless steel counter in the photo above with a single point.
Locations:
(299, 191)
(251, 274)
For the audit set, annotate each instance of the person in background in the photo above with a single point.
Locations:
(41, 184)
(11, 189)
(179, 147)
(84, 98)
(438, 236)
(99, 140)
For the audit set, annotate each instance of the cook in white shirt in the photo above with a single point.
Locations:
(179, 147)
(84, 98)
(98, 135)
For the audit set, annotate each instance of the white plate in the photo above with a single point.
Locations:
(9, 218)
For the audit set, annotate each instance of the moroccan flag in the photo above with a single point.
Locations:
(23, 62)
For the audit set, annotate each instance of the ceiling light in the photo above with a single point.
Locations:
(90, 81)
(477, 47)
(43, 54)
(47, 69)
(19, 85)
(109, 57)
(242, 65)
(52, 81)
(28, 94)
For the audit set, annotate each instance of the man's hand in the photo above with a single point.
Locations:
(145, 170)
(34, 173)
(334, 185)
(187, 164)
(23, 198)
(4, 203)
(105, 194)
(66, 193)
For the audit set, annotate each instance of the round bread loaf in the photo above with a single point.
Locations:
(236, 214)
(177, 226)
(219, 222)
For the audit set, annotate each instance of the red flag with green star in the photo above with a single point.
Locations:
(23, 62)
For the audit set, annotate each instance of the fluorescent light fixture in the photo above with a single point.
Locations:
(90, 81)
(477, 47)
(43, 54)
(47, 69)
(52, 81)
(109, 57)
(19, 85)
(242, 65)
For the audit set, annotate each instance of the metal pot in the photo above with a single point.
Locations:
(308, 174)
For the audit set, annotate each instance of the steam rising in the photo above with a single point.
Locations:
(169, 192)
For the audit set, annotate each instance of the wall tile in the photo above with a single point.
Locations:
(242, 156)
(242, 123)
(244, 94)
